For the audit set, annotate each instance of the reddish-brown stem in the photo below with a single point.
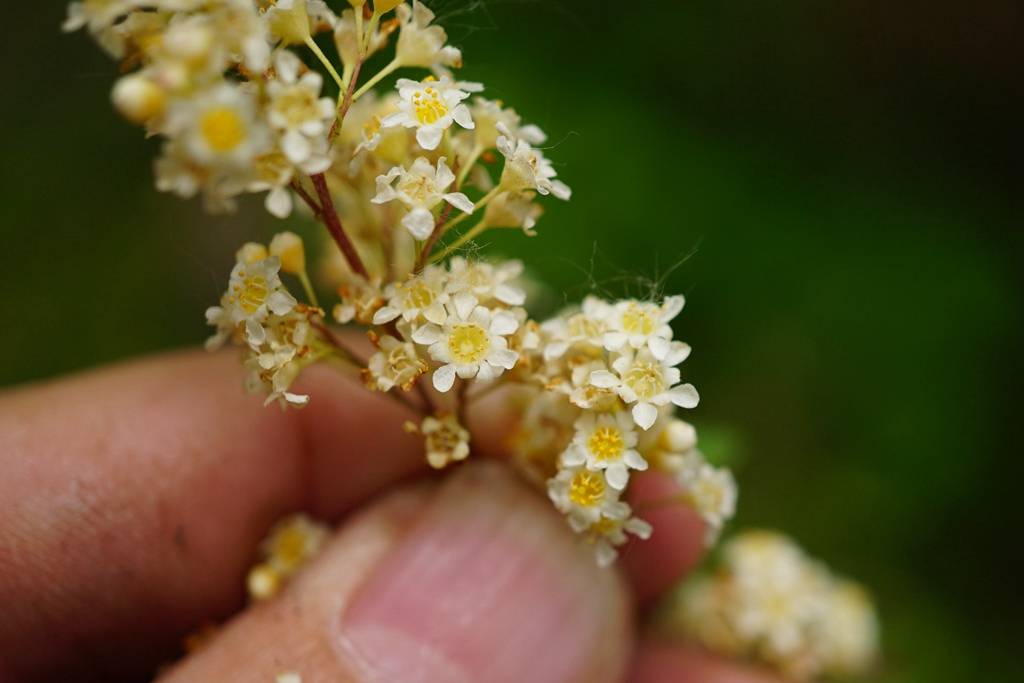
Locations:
(330, 219)
(460, 401)
(306, 197)
(428, 246)
(428, 400)
(346, 101)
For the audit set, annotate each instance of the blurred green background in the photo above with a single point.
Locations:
(834, 186)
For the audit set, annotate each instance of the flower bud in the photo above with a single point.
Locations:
(263, 582)
(385, 6)
(289, 21)
(287, 246)
(357, 3)
(251, 252)
(138, 98)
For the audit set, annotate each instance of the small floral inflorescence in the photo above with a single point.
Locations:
(290, 544)
(245, 98)
(772, 603)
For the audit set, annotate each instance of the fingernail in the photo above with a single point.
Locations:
(488, 585)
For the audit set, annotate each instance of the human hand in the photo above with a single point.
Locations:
(132, 500)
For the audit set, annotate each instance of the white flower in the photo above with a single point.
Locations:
(275, 362)
(289, 21)
(254, 292)
(420, 189)
(647, 383)
(641, 323)
(586, 328)
(422, 297)
(396, 364)
(526, 168)
(348, 40)
(485, 281)
(585, 497)
(429, 106)
(419, 43)
(608, 534)
(298, 112)
(584, 394)
(514, 210)
(605, 441)
(493, 119)
(712, 491)
(850, 633)
(446, 440)
(219, 128)
(360, 300)
(97, 14)
(292, 542)
(472, 343)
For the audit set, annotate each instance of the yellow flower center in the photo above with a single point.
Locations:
(418, 295)
(637, 320)
(468, 343)
(444, 441)
(603, 526)
(222, 129)
(251, 292)
(297, 105)
(289, 546)
(416, 187)
(582, 326)
(586, 488)
(606, 443)
(402, 365)
(645, 380)
(429, 106)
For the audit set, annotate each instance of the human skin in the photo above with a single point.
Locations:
(132, 499)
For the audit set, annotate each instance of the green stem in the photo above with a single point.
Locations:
(464, 171)
(377, 78)
(311, 44)
(469, 235)
(308, 286)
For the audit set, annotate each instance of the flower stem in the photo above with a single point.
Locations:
(308, 286)
(468, 166)
(329, 216)
(377, 78)
(311, 44)
(435, 235)
(469, 235)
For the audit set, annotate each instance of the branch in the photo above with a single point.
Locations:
(329, 216)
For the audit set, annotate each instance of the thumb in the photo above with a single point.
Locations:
(474, 579)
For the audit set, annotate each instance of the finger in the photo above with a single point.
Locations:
(676, 544)
(652, 566)
(659, 661)
(477, 580)
(132, 500)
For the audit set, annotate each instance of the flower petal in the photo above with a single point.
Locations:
(644, 414)
(444, 378)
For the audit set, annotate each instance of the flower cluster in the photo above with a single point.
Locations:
(290, 544)
(772, 603)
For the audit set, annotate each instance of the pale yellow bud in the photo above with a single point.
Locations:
(138, 98)
(251, 252)
(263, 582)
(289, 21)
(287, 246)
(385, 6)
(357, 3)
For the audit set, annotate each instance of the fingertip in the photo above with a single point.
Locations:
(676, 545)
(662, 661)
